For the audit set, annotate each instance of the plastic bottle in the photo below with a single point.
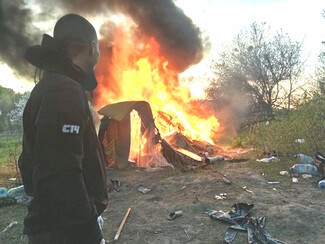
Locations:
(321, 185)
(304, 169)
(3, 192)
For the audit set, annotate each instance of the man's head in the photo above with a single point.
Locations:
(79, 38)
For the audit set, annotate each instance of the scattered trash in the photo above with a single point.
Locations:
(240, 219)
(273, 182)
(301, 141)
(236, 215)
(221, 196)
(7, 201)
(100, 222)
(12, 179)
(320, 163)
(268, 160)
(115, 186)
(320, 157)
(3, 192)
(304, 169)
(306, 176)
(284, 173)
(274, 189)
(117, 235)
(175, 215)
(10, 226)
(18, 193)
(321, 185)
(304, 159)
(183, 187)
(188, 237)
(211, 160)
(143, 189)
(226, 180)
(294, 180)
(158, 231)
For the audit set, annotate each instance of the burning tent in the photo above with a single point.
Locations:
(115, 135)
(148, 148)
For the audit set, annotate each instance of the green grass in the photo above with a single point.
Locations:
(10, 148)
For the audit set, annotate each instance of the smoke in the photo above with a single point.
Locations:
(16, 34)
(179, 39)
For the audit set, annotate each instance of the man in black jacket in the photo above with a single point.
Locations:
(62, 164)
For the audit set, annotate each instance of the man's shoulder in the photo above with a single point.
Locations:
(60, 81)
(53, 82)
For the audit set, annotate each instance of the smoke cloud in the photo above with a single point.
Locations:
(179, 39)
(16, 34)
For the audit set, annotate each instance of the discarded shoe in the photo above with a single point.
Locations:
(174, 215)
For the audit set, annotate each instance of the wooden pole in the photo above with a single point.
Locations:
(121, 225)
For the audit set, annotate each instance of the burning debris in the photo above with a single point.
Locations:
(147, 148)
(144, 46)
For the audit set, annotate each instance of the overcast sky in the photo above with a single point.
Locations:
(221, 20)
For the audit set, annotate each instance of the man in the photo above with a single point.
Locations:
(62, 165)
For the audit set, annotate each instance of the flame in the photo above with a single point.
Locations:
(133, 69)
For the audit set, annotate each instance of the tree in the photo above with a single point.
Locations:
(320, 71)
(16, 115)
(11, 109)
(7, 103)
(260, 67)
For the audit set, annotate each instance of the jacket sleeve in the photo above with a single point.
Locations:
(58, 181)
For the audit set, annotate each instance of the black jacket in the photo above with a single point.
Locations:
(62, 164)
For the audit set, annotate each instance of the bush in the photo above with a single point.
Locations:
(281, 135)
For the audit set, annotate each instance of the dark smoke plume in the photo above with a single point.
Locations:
(16, 34)
(179, 39)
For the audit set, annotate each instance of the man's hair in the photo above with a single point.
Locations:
(73, 31)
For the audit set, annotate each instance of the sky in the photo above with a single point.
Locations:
(222, 20)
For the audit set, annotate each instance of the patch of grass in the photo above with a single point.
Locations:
(10, 148)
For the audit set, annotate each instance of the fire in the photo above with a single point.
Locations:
(133, 69)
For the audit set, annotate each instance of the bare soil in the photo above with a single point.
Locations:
(295, 212)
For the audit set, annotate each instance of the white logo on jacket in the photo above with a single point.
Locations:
(71, 129)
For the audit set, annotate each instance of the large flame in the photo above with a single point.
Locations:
(132, 69)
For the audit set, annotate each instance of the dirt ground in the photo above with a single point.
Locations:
(295, 212)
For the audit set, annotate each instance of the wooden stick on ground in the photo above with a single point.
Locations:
(121, 225)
